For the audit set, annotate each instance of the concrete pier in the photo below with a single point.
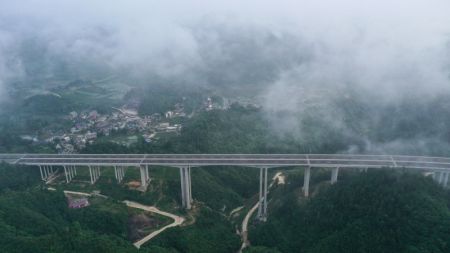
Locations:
(144, 178)
(94, 172)
(306, 180)
(46, 172)
(119, 172)
(65, 173)
(91, 174)
(445, 182)
(40, 170)
(186, 189)
(262, 207)
(334, 175)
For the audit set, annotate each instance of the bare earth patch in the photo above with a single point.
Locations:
(140, 225)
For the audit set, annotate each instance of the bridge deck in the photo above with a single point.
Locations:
(251, 160)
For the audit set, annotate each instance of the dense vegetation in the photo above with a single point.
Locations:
(408, 214)
(17, 177)
(37, 220)
(374, 212)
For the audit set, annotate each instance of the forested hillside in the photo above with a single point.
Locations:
(377, 211)
(364, 212)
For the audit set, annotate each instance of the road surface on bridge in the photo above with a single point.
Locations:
(245, 160)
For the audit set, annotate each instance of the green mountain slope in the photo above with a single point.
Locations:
(368, 212)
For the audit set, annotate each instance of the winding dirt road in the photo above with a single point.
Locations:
(178, 220)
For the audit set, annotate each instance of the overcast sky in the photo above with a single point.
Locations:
(370, 35)
(291, 49)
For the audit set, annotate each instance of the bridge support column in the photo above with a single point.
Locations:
(72, 172)
(437, 176)
(334, 175)
(66, 174)
(147, 175)
(190, 185)
(90, 173)
(186, 194)
(144, 178)
(47, 173)
(445, 182)
(306, 179)
(441, 177)
(52, 172)
(262, 206)
(187, 178)
(183, 188)
(69, 172)
(120, 173)
(40, 170)
(94, 172)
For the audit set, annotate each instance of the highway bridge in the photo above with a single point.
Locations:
(49, 165)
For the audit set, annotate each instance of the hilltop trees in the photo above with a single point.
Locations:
(374, 212)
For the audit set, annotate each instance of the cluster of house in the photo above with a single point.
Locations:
(105, 124)
(89, 125)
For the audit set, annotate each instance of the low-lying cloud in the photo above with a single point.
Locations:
(306, 60)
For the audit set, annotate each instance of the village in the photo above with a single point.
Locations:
(87, 126)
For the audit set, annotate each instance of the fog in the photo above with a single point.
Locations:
(302, 57)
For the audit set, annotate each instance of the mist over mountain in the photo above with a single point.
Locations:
(348, 68)
(182, 126)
